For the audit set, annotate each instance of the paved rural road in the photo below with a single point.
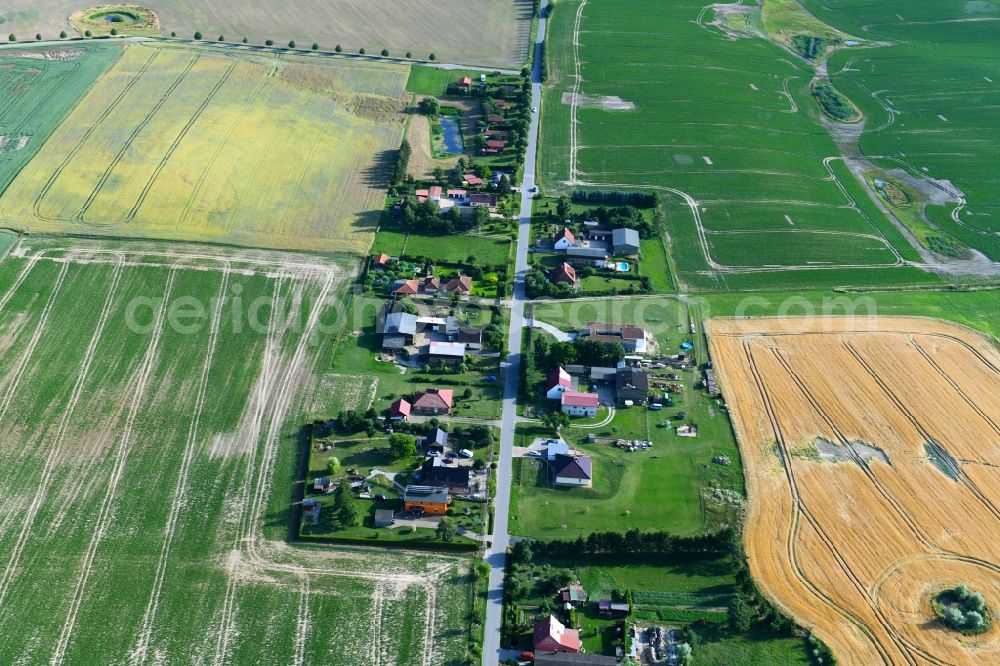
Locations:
(496, 554)
(561, 336)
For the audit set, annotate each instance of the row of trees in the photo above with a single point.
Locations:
(584, 351)
(608, 545)
(616, 197)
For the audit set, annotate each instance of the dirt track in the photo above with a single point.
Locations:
(856, 548)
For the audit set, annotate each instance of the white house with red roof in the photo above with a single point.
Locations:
(576, 403)
(557, 383)
(552, 636)
(563, 240)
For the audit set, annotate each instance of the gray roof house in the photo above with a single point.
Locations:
(625, 242)
(631, 384)
(436, 441)
(398, 330)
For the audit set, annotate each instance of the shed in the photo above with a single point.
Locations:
(625, 242)
(383, 517)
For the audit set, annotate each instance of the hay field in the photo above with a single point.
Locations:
(727, 132)
(140, 483)
(872, 455)
(196, 144)
(475, 32)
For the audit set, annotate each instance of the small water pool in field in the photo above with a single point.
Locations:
(116, 17)
(451, 135)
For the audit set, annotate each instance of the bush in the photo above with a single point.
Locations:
(315, 46)
(362, 51)
(291, 44)
(268, 42)
(432, 57)
(834, 104)
(409, 55)
(172, 33)
(385, 53)
(13, 38)
(38, 36)
(221, 38)
(87, 33)
(197, 35)
(62, 35)
(114, 31)
(337, 48)
(244, 40)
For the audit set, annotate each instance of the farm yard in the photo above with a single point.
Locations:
(478, 32)
(193, 144)
(150, 396)
(726, 130)
(872, 481)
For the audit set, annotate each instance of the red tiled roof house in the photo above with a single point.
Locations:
(551, 635)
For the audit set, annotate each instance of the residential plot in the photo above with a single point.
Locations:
(141, 445)
(197, 144)
(871, 476)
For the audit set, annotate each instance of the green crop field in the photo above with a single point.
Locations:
(194, 144)
(931, 96)
(150, 398)
(36, 93)
(727, 131)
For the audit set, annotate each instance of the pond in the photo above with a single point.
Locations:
(451, 135)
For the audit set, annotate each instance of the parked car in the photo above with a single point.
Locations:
(535, 454)
(465, 453)
(655, 406)
(432, 454)
(491, 378)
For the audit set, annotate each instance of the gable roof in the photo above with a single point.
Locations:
(429, 494)
(490, 199)
(432, 398)
(465, 81)
(572, 467)
(578, 399)
(573, 658)
(449, 349)
(563, 273)
(405, 287)
(567, 234)
(380, 259)
(631, 378)
(402, 323)
(439, 437)
(550, 627)
(472, 179)
(400, 408)
(558, 377)
(433, 473)
(431, 282)
(625, 237)
(461, 284)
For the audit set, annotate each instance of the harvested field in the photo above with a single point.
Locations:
(180, 143)
(479, 32)
(847, 429)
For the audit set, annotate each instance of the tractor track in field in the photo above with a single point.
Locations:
(104, 515)
(574, 143)
(177, 141)
(70, 409)
(911, 417)
(71, 155)
(199, 187)
(800, 510)
(302, 622)
(127, 144)
(141, 649)
(22, 362)
(375, 647)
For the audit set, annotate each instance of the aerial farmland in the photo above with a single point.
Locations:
(190, 144)
(465, 333)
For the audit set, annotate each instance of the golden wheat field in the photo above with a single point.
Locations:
(181, 143)
(872, 455)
